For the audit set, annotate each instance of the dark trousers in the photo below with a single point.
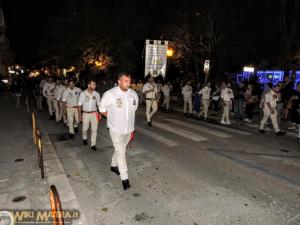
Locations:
(249, 110)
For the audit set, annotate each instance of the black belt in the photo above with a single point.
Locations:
(89, 112)
(151, 99)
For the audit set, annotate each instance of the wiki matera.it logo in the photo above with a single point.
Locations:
(6, 218)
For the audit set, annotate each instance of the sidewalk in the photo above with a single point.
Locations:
(23, 179)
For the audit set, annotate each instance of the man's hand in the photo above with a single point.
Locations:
(272, 111)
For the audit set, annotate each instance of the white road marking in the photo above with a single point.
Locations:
(180, 132)
(233, 130)
(201, 128)
(157, 137)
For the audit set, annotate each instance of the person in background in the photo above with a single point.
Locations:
(139, 91)
(70, 104)
(49, 94)
(150, 91)
(250, 99)
(270, 111)
(166, 89)
(187, 92)
(63, 113)
(294, 106)
(38, 96)
(196, 97)
(133, 85)
(205, 94)
(286, 93)
(279, 104)
(16, 89)
(58, 109)
(159, 90)
(226, 96)
(239, 100)
(216, 95)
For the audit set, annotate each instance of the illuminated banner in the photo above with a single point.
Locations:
(156, 58)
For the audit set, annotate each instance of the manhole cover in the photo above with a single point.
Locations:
(19, 199)
(284, 150)
(19, 160)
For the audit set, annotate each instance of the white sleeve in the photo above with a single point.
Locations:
(98, 99)
(81, 99)
(222, 94)
(145, 88)
(104, 103)
(137, 100)
(65, 95)
(44, 90)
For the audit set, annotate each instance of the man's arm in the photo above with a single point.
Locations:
(44, 90)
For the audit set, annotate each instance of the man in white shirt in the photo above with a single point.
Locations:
(205, 94)
(166, 89)
(89, 101)
(150, 91)
(63, 113)
(226, 97)
(270, 110)
(49, 94)
(187, 92)
(58, 109)
(70, 104)
(119, 105)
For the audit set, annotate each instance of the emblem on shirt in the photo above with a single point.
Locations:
(119, 102)
(134, 102)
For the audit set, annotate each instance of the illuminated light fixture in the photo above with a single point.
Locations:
(12, 71)
(249, 69)
(206, 66)
(170, 52)
(5, 81)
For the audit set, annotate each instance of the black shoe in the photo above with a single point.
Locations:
(115, 170)
(71, 136)
(76, 130)
(94, 148)
(85, 142)
(280, 133)
(126, 184)
(185, 114)
(150, 124)
(262, 131)
(298, 139)
(51, 117)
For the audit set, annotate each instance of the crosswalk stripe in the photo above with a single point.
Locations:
(157, 137)
(199, 127)
(232, 130)
(180, 132)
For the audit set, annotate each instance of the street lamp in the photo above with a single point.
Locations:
(249, 69)
(170, 52)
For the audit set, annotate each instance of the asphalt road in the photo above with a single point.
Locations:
(185, 171)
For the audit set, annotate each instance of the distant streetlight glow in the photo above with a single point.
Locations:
(249, 69)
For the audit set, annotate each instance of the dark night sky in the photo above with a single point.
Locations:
(251, 24)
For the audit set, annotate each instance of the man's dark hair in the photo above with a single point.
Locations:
(91, 80)
(270, 85)
(123, 74)
(71, 80)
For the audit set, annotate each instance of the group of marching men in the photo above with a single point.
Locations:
(72, 105)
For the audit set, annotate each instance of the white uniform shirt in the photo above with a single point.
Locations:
(61, 92)
(227, 94)
(147, 87)
(187, 91)
(71, 97)
(42, 83)
(271, 97)
(57, 91)
(205, 92)
(120, 107)
(49, 90)
(166, 90)
(89, 102)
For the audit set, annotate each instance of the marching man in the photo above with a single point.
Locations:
(49, 94)
(205, 93)
(187, 92)
(70, 102)
(226, 97)
(63, 113)
(119, 105)
(150, 90)
(57, 106)
(270, 110)
(89, 101)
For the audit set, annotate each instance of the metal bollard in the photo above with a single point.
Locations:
(56, 209)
